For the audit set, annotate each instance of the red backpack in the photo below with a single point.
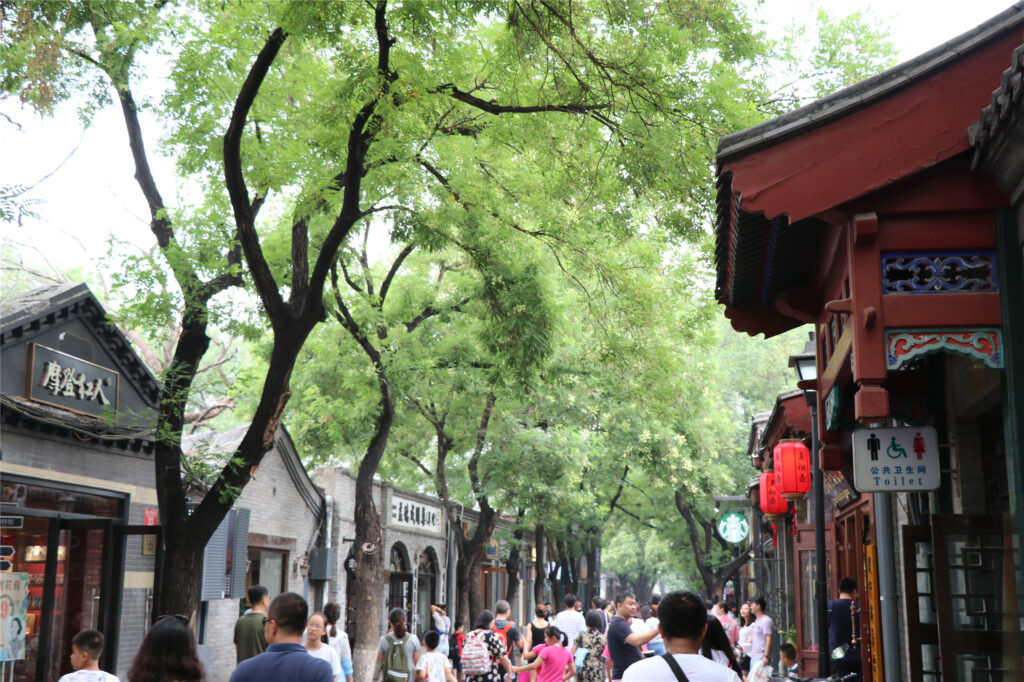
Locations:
(503, 635)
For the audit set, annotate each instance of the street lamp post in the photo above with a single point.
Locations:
(807, 370)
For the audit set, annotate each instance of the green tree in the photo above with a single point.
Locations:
(470, 123)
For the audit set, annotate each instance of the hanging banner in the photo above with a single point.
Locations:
(896, 460)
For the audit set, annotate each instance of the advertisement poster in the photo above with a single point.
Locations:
(13, 607)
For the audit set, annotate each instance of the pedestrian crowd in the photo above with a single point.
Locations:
(676, 638)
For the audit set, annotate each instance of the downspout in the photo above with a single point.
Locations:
(887, 588)
(328, 529)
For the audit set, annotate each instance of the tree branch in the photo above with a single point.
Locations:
(359, 139)
(386, 284)
(429, 312)
(498, 109)
(263, 278)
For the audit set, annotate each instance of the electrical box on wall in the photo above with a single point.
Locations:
(321, 563)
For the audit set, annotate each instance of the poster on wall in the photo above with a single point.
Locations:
(896, 460)
(13, 615)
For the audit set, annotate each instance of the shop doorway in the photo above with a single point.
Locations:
(400, 580)
(426, 590)
(68, 561)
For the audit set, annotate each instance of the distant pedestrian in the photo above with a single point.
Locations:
(168, 654)
(717, 647)
(442, 625)
(683, 620)
(399, 650)
(763, 631)
(433, 666)
(317, 647)
(455, 647)
(624, 644)
(844, 630)
(599, 604)
(594, 641)
(338, 639)
(719, 611)
(249, 638)
(285, 659)
(86, 649)
(745, 640)
(570, 621)
(657, 645)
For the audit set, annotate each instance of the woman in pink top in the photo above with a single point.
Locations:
(554, 660)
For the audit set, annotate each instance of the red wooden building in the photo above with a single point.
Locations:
(889, 216)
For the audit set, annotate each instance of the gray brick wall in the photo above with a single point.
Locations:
(276, 509)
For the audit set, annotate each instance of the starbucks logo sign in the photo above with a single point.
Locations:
(733, 527)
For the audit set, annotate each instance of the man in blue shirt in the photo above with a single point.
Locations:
(624, 644)
(285, 659)
(844, 630)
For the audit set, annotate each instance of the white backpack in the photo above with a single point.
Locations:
(476, 658)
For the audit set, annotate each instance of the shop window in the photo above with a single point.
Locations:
(269, 568)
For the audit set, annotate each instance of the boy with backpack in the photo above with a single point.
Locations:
(398, 651)
(455, 648)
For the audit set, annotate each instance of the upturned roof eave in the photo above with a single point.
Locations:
(854, 97)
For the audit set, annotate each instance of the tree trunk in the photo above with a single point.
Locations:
(180, 576)
(513, 570)
(475, 586)
(369, 580)
(462, 573)
(593, 569)
(539, 570)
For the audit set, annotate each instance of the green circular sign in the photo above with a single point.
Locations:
(733, 527)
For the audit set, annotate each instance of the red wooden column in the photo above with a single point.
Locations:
(871, 402)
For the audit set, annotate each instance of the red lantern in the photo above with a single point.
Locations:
(772, 502)
(792, 469)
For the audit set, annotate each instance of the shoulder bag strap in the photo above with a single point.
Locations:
(676, 670)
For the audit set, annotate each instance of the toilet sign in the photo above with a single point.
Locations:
(896, 460)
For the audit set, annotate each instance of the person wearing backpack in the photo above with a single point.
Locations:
(398, 651)
(508, 631)
(483, 652)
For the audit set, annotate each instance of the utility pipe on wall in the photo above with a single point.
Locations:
(887, 588)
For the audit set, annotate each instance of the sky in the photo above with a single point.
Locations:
(90, 193)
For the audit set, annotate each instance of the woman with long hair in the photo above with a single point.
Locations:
(746, 637)
(317, 648)
(553, 661)
(716, 645)
(493, 651)
(168, 654)
(338, 639)
(593, 640)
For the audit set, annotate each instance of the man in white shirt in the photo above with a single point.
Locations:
(683, 622)
(570, 621)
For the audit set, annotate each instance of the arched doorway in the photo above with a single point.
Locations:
(427, 574)
(400, 579)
